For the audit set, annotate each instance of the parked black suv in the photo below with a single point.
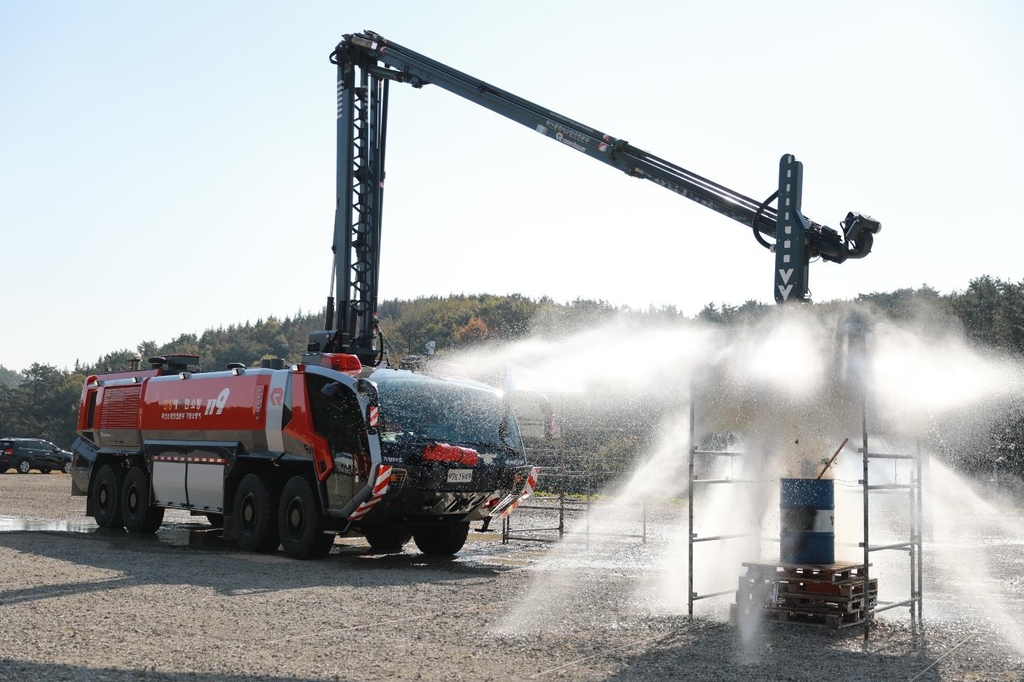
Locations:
(25, 454)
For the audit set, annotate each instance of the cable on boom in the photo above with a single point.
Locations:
(757, 216)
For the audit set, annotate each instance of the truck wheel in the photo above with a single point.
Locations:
(387, 537)
(106, 497)
(442, 540)
(67, 467)
(24, 466)
(139, 516)
(255, 503)
(301, 522)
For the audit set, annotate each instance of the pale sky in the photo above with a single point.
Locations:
(169, 167)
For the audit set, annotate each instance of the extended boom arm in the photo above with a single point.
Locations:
(367, 63)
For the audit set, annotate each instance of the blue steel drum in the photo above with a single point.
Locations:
(807, 521)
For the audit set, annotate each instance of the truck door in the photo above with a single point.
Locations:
(337, 417)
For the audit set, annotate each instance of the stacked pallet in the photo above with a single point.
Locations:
(834, 595)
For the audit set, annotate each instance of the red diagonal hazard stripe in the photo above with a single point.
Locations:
(512, 500)
(380, 487)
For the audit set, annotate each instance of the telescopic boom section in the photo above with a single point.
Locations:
(366, 62)
(362, 133)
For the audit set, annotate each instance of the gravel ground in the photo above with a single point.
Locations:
(77, 603)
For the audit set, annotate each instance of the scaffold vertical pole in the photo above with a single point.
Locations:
(920, 511)
(689, 503)
(864, 487)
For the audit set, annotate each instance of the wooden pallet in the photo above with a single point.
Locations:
(844, 590)
(830, 573)
(816, 605)
(765, 596)
(834, 621)
(834, 596)
(848, 589)
(782, 589)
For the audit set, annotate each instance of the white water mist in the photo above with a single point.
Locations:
(792, 388)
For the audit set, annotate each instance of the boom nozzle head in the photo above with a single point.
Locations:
(860, 231)
(858, 223)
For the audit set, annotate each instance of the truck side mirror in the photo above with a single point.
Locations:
(369, 389)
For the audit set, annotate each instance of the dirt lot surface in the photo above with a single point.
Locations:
(80, 604)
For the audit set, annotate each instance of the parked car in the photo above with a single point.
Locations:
(25, 454)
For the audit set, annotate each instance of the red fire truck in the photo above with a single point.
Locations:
(291, 456)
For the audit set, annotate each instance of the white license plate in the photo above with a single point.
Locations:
(460, 475)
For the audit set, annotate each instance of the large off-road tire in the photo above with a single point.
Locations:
(24, 466)
(387, 537)
(106, 496)
(300, 521)
(441, 540)
(139, 516)
(256, 512)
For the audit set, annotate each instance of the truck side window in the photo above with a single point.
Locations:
(286, 414)
(338, 419)
(91, 419)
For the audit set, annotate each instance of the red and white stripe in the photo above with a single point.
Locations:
(189, 460)
(374, 415)
(511, 501)
(380, 487)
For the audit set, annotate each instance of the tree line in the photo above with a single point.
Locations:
(42, 400)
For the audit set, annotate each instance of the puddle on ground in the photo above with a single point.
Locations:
(16, 523)
(173, 534)
(481, 550)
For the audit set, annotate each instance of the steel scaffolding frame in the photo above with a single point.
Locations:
(913, 546)
(692, 483)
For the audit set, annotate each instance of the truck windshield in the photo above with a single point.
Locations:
(417, 407)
